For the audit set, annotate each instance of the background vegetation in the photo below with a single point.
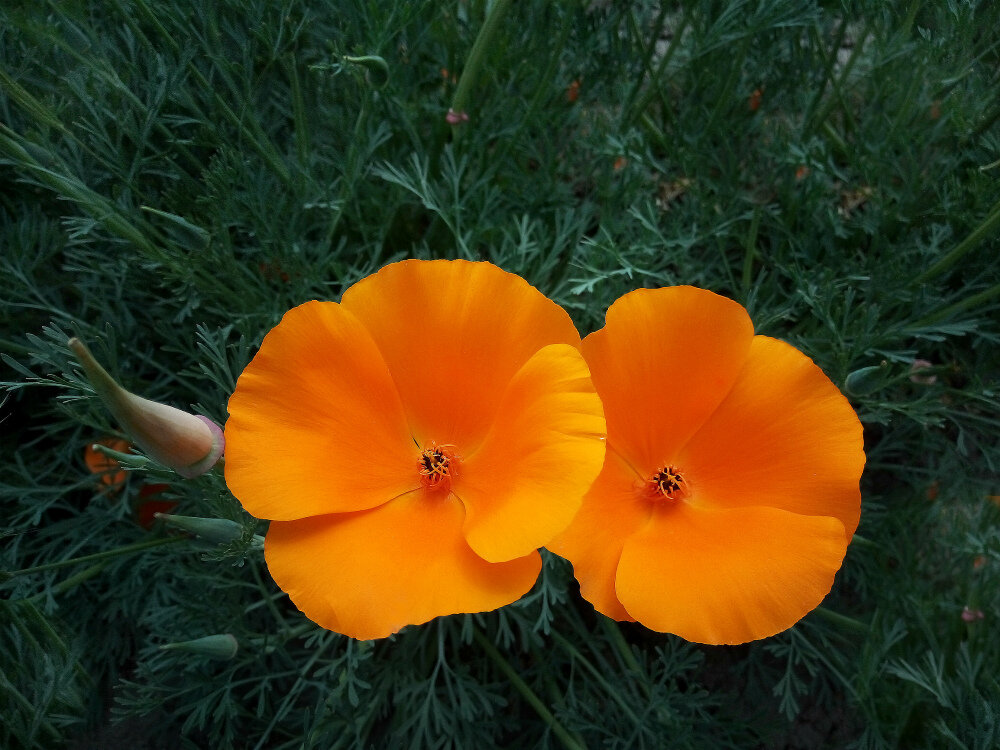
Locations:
(175, 175)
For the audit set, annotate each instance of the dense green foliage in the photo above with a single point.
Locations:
(176, 175)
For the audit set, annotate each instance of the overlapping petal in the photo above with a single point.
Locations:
(526, 481)
(612, 511)
(315, 424)
(728, 576)
(784, 437)
(368, 574)
(453, 334)
(662, 363)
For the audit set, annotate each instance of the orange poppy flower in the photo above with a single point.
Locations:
(729, 490)
(414, 444)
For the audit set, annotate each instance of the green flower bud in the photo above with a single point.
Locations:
(217, 530)
(867, 380)
(223, 646)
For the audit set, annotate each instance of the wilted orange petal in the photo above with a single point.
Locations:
(661, 364)
(315, 424)
(370, 573)
(526, 481)
(728, 576)
(611, 512)
(784, 437)
(454, 333)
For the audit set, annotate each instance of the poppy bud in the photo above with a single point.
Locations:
(218, 530)
(187, 443)
(867, 380)
(223, 646)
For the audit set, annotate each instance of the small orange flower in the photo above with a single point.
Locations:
(753, 103)
(111, 473)
(414, 444)
(620, 163)
(729, 490)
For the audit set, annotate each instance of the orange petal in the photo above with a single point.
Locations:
(315, 424)
(728, 576)
(370, 573)
(784, 437)
(453, 334)
(527, 480)
(661, 364)
(611, 512)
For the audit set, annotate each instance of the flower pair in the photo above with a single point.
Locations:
(415, 444)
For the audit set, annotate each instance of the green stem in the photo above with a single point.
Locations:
(836, 85)
(118, 551)
(969, 302)
(725, 98)
(615, 633)
(863, 541)
(978, 235)
(848, 623)
(470, 73)
(529, 695)
(750, 253)
(540, 91)
(74, 580)
(635, 111)
(27, 607)
(595, 673)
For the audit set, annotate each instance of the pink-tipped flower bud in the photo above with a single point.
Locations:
(187, 443)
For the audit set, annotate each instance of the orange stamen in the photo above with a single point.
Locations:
(668, 483)
(438, 465)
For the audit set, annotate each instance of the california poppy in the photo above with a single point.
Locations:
(414, 444)
(729, 490)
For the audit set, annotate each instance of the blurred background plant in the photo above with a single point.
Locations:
(174, 176)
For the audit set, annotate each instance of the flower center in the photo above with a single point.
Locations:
(667, 483)
(438, 465)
